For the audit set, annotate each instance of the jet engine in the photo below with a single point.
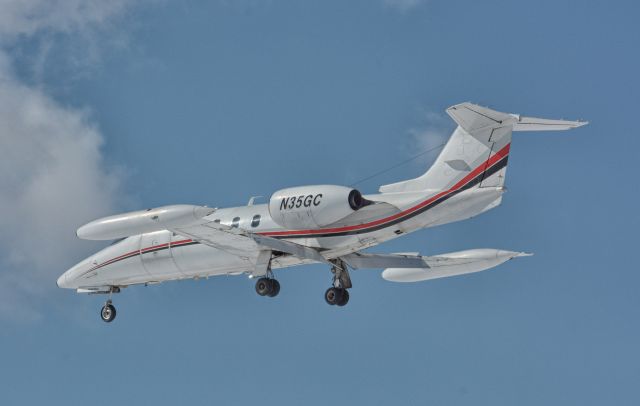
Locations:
(314, 206)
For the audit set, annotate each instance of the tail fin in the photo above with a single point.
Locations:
(478, 146)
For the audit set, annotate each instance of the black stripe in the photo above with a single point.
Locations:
(485, 174)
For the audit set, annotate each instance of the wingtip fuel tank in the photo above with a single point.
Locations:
(143, 221)
(455, 263)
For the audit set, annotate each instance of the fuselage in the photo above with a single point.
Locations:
(162, 255)
(328, 224)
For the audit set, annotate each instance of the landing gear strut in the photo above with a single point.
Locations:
(338, 294)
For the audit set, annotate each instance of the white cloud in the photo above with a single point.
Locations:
(429, 137)
(28, 17)
(404, 5)
(52, 172)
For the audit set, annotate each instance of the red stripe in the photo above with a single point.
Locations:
(471, 175)
(481, 168)
(140, 251)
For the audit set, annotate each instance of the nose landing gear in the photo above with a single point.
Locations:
(108, 312)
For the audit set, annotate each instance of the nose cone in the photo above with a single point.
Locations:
(68, 280)
(62, 281)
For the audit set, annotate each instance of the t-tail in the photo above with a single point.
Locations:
(475, 157)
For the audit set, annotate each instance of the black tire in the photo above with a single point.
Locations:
(333, 296)
(108, 313)
(263, 286)
(275, 288)
(345, 298)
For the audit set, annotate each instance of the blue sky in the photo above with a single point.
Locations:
(126, 106)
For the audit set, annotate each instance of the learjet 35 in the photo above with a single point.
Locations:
(316, 224)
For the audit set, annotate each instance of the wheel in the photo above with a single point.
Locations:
(345, 298)
(263, 286)
(108, 313)
(333, 296)
(275, 288)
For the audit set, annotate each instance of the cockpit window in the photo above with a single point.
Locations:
(235, 222)
(255, 222)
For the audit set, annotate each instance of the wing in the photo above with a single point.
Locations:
(193, 222)
(414, 267)
(244, 243)
(359, 260)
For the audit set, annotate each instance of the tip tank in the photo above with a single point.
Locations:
(143, 221)
(452, 264)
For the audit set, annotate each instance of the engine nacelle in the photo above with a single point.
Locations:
(314, 206)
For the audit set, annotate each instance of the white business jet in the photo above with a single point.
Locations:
(316, 224)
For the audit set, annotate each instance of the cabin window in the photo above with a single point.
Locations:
(235, 222)
(255, 222)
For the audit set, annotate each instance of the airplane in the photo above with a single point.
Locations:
(328, 224)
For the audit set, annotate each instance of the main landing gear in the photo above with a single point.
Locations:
(268, 287)
(338, 294)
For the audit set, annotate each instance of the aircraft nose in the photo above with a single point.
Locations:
(62, 281)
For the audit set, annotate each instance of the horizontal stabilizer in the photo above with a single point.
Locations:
(543, 124)
(452, 264)
(473, 118)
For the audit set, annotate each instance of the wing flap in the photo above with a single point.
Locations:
(360, 260)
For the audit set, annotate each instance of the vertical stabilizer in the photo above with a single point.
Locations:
(479, 145)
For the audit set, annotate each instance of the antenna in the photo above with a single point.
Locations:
(398, 164)
(252, 200)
